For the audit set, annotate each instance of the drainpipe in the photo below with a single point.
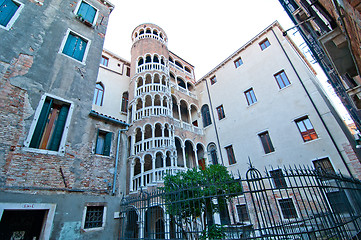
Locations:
(314, 105)
(117, 157)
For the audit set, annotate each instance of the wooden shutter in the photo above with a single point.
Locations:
(69, 45)
(107, 143)
(7, 10)
(79, 48)
(87, 12)
(41, 123)
(59, 128)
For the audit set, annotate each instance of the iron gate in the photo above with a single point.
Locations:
(292, 203)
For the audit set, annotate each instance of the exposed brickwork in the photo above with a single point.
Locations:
(354, 164)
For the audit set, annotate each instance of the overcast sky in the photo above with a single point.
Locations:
(203, 33)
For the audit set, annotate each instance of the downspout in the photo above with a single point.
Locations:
(215, 126)
(314, 105)
(117, 158)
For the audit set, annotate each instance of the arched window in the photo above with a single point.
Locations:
(140, 62)
(124, 102)
(212, 151)
(98, 94)
(206, 116)
(155, 59)
(148, 59)
(181, 82)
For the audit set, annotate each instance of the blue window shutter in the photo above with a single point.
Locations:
(87, 12)
(69, 45)
(59, 128)
(40, 125)
(7, 11)
(79, 49)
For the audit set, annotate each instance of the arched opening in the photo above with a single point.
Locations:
(141, 32)
(160, 35)
(184, 111)
(155, 59)
(137, 167)
(166, 130)
(206, 117)
(159, 160)
(194, 115)
(124, 106)
(147, 163)
(148, 101)
(165, 101)
(148, 31)
(187, 69)
(168, 161)
(156, 79)
(140, 82)
(148, 132)
(131, 229)
(212, 152)
(139, 104)
(175, 108)
(178, 64)
(171, 60)
(200, 156)
(158, 130)
(178, 145)
(162, 61)
(138, 135)
(155, 32)
(148, 79)
(190, 156)
(154, 223)
(164, 82)
(148, 59)
(172, 78)
(190, 87)
(157, 101)
(140, 61)
(181, 82)
(129, 144)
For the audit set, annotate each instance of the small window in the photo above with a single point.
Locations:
(230, 154)
(128, 72)
(288, 208)
(220, 112)
(206, 117)
(50, 128)
(250, 96)
(242, 213)
(104, 61)
(266, 142)
(86, 13)
(324, 165)
(264, 44)
(282, 79)
(9, 11)
(238, 62)
(98, 94)
(212, 150)
(124, 107)
(339, 202)
(307, 131)
(103, 143)
(213, 80)
(75, 46)
(278, 178)
(94, 217)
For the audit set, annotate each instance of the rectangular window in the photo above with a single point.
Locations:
(287, 208)
(86, 13)
(50, 125)
(128, 72)
(238, 62)
(242, 213)
(9, 11)
(324, 165)
(339, 202)
(266, 142)
(103, 143)
(104, 61)
(213, 80)
(75, 46)
(220, 112)
(278, 178)
(230, 154)
(264, 44)
(282, 79)
(307, 131)
(94, 217)
(250, 96)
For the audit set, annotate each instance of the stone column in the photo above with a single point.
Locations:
(142, 173)
(184, 156)
(132, 164)
(153, 169)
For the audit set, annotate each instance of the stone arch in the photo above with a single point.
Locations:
(157, 100)
(148, 131)
(156, 78)
(137, 166)
(148, 101)
(148, 79)
(138, 135)
(139, 82)
(158, 130)
(179, 151)
(139, 104)
(184, 111)
(159, 160)
(181, 83)
(212, 152)
(190, 156)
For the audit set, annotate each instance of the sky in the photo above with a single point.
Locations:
(203, 33)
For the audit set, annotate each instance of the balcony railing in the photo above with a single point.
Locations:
(150, 143)
(185, 91)
(151, 111)
(150, 35)
(186, 126)
(156, 87)
(151, 67)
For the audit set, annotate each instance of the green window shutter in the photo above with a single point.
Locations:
(87, 12)
(79, 49)
(41, 123)
(7, 10)
(59, 128)
(107, 143)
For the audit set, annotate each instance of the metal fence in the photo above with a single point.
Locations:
(292, 203)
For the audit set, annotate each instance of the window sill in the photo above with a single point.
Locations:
(204, 128)
(251, 105)
(85, 22)
(43, 151)
(101, 155)
(81, 62)
(270, 153)
(281, 89)
(92, 229)
(310, 141)
(124, 113)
